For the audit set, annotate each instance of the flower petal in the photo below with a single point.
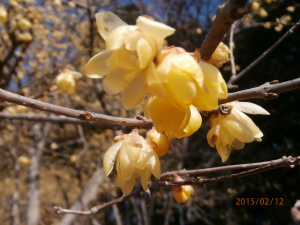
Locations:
(114, 82)
(145, 53)
(96, 67)
(110, 157)
(238, 129)
(156, 29)
(135, 92)
(107, 22)
(250, 108)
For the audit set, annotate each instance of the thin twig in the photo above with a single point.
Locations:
(231, 46)
(269, 90)
(285, 161)
(261, 57)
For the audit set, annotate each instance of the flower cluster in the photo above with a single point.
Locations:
(136, 64)
(134, 158)
(234, 128)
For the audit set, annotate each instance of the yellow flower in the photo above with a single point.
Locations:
(182, 193)
(25, 161)
(3, 15)
(158, 141)
(65, 81)
(182, 81)
(234, 129)
(128, 58)
(24, 24)
(171, 120)
(134, 158)
(220, 55)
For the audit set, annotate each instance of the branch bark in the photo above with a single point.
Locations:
(228, 12)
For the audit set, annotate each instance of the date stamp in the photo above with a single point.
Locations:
(259, 201)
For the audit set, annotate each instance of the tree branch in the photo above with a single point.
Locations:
(82, 115)
(234, 79)
(269, 90)
(227, 13)
(285, 161)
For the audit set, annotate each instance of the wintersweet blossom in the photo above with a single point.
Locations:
(158, 141)
(220, 55)
(174, 122)
(65, 81)
(134, 158)
(182, 193)
(3, 15)
(234, 128)
(129, 55)
(183, 81)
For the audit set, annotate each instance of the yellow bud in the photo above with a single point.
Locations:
(267, 25)
(278, 28)
(13, 3)
(73, 158)
(66, 82)
(71, 4)
(54, 146)
(57, 3)
(25, 161)
(182, 193)
(290, 9)
(199, 30)
(24, 24)
(3, 14)
(262, 13)
(220, 55)
(255, 5)
(158, 141)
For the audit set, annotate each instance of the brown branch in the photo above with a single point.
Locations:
(234, 79)
(228, 12)
(285, 161)
(266, 91)
(82, 115)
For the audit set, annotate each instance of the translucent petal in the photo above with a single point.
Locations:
(251, 108)
(153, 164)
(145, 53)
(248, 122)
(145, 177)
(107, 22)
(154, 82)
(238, 129)
(117, 38)
(126, 60)
(128, 186)
(96, 67)
(126, 165)
(114, 82)
(135, 92)
(181, 86)
(110, 157)
(156, 29)
(238, 145)
(224, 151)
(213, 135)
(226, 137)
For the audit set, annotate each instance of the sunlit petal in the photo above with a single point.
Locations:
(107, 22)
(251, 108)
(114, 83)
(110, 157)
(96, 66)
(156, 29)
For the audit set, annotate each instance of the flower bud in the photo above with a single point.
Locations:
(158, 141)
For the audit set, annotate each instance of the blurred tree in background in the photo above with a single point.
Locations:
(43, 164)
